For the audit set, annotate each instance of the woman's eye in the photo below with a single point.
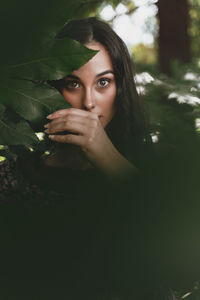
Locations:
(103, 83)
(72, 84)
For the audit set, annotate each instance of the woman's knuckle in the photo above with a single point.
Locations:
(66, 123)
(94, 122)
(95, 116)
(70, 118)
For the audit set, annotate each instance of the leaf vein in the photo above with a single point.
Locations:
(34, 99)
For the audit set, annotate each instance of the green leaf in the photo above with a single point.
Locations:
(53, 61)
(22, 134)
(33, 102)
(15, 133)
(25, 130)
(2, 110)
(25, 24)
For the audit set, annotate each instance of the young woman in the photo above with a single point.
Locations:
(104, 130)
(107, 121)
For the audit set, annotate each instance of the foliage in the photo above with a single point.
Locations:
(173, 103)
(127, 3)
(31, 55)
(145, 55)
(194, 14)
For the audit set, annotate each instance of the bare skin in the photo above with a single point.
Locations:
(91, 90)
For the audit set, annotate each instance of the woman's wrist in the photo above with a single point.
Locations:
(114, 165)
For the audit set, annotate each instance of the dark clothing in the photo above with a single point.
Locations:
(73, 235)
(32, 184)
(66, 234)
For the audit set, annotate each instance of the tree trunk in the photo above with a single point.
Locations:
(173, 37)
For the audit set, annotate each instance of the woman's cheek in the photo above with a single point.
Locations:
(72, 98)
(108, 113)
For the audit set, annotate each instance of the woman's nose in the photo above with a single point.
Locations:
(88, 100)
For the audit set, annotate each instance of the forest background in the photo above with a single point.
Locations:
(167, 77)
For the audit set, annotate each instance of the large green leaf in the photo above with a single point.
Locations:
(54, 60)
(15, 134)
(33, 102)
(25, 24)
(28, 101)
(2, 110)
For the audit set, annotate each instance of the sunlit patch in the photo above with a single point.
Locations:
(193, 89)
(121, 9)
(155, 137)
(40, 135)
(124, 24)
(2, 147)
(2, 158)
(197, 124)
(31, 149)
(141, 90)
(107, 13)
(186, 295)
(143, 78)
(186, 98)
(47, 152)
(191, 76)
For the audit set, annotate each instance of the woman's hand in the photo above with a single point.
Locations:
(85, 130)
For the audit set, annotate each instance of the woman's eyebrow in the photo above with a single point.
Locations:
(73, 76)
(98, 75)
(104, 73)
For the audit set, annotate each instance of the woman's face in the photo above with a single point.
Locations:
(92, 87)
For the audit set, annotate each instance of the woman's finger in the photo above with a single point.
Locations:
(69, 118)
(69, 138)
(66, 125)
(72, 111)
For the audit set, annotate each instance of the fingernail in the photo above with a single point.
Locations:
(49, 116)
(47, 131)
(46, 125)
(51, 136)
